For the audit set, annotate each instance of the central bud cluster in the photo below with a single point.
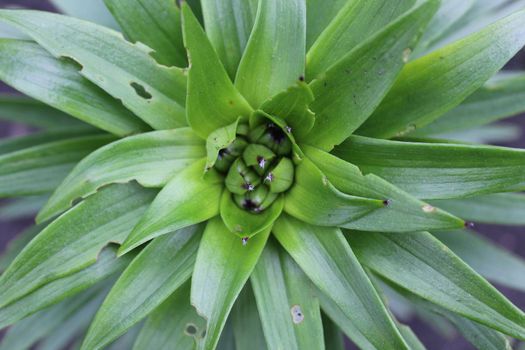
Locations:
(257, 165)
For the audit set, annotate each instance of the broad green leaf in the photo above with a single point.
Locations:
(354, 24)
(227, 340)
(75, 327)
(228, 26)
(292, 107)
(22, 208)
(315, 200)
(274, 58)
(345, 321)
(23, 110)
(482, 14)
(219, 139)
(438, 170)
(126, 341)
(93, 11)
(15, 246)
(246, 324)
(289, 311)
(188, 199)
(332, 335)
(155, 23)
(490, 260)
(501, 208)
(40, 169)
(434, 84)
(244, 223)
(327, 259)
(365, 75)
(496, 100)
(403, 213)
(157, 272)
(319, 14)
(57, 82)
(213, 101)
(17, 143)
(214, 290)
(152, 159)
(497, 133)
(168, 324)
(482, 337)
(421, 264)
(59, 289)
(74, 240)
(32, 329)
(154, 93)
(449, 13)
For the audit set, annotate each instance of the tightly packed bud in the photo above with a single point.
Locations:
(257, 166)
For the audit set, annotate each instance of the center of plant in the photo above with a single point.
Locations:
(257, 165)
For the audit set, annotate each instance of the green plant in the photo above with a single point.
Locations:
(303, 174)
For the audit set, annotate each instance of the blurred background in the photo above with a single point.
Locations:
(434, 336)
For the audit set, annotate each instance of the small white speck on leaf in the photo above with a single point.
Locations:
(428, 208)
(406, 54)
(297, 314)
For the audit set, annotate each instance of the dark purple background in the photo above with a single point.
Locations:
(510, 237)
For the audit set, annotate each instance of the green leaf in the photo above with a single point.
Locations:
(57, 83)
(354, 24)
(246, 324)
(214, 290)
(15, 246)
(497, 133)
(434, 84)
(315, 200)
(75, 326)
(73, 241)
(290, 313)
(167, 325)
(219, 139)
(449, 13)
(246, 224)
(501, 209)
(292, 107)
(17, 143)
(227, 341)
(274, 58)
(157, 272)
(421, 264)
(93, 11)
(482, 337)
(332, 335)
(154, 93)
(155, 23)
(498, 99)
(438, 170)
(23, 110)
(327, 259)
(55, 291)
(319, 14)
(213, 101)
(152, 159)
(490, 260)
(32, 329)
(40, 169)
(188, 199)
(403, 213)
(365, 75)
(228, 26)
